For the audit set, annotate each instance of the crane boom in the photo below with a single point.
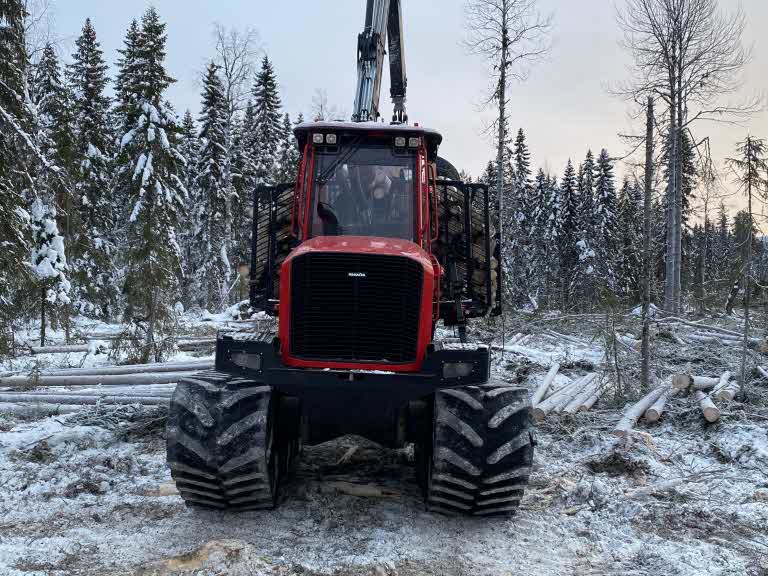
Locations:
(383, 28)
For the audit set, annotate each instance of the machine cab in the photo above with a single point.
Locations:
(366, 179)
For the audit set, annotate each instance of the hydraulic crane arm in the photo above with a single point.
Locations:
(383, 22)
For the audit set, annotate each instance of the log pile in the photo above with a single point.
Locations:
(576, 396)
(703, 389)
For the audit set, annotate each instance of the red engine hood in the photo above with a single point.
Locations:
(362, 245)
(365, 245)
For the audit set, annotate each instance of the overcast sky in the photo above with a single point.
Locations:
(565, 106)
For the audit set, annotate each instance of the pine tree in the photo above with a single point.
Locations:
(606, 220)
(150, 177)
(212, 269)
(92, 246)
(267, 124)
(14, 219)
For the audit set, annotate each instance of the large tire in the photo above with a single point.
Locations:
(481, 451)
(221, 443)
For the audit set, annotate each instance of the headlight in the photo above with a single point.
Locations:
(249, 361)
(400, 142)
(317, 138)
(330, 139)
(457, 369)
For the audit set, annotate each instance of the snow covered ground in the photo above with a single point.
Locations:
(89, 493)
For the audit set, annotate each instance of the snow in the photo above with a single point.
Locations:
(79, 496)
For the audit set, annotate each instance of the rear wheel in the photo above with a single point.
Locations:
(224, 448)
(480, 457)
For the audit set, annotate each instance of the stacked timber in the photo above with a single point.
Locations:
(576, 396)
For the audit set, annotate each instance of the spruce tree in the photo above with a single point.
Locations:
(92, 246)
(567, 237)
(629, 264)
(267, 124)
(128, 78)
(188, 148)
(606, 220)
(48, 262)
(587, 196)
(288, 158)
(14, 219)
(212, 269)
(56, 121)
(150, 178)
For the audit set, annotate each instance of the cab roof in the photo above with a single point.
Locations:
(303, 129)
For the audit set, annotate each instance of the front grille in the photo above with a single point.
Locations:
(355, 307)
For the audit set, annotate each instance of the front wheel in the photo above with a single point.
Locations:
(479, 459)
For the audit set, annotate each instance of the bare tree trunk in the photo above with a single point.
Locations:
(647, 265)
(678, 246)
(669, 280)
(502, 96)
(43, 301)
(747, 277)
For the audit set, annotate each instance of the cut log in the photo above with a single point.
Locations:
(113, 380)
(131, 369)
(359, 490)
(81, 400)
(73, 349)
(727, 393)
(724, 381)
(592, 400)
(558, 400)
(541, 391)
(654, 412)
(708, 408)
(38, 410)
(632, 415)
(685, 381)
(589, 387)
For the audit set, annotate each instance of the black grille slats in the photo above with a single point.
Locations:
(355, 307)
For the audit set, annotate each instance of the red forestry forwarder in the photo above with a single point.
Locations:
(374, 243)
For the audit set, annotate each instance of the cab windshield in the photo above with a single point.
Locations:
(364, 191)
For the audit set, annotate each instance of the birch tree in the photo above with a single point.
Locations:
(688, 54)
(509, 35)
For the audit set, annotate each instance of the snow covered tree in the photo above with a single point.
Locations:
(606, 220)
(587, 196)
(49, 262)
(288, 157)
(14, 219)
(150, 177)
(267, 124)
(128, 77)
(212, 260)
(56, 127)
(629, 269)
(92, 245)
(567, 235)
(188, 148)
